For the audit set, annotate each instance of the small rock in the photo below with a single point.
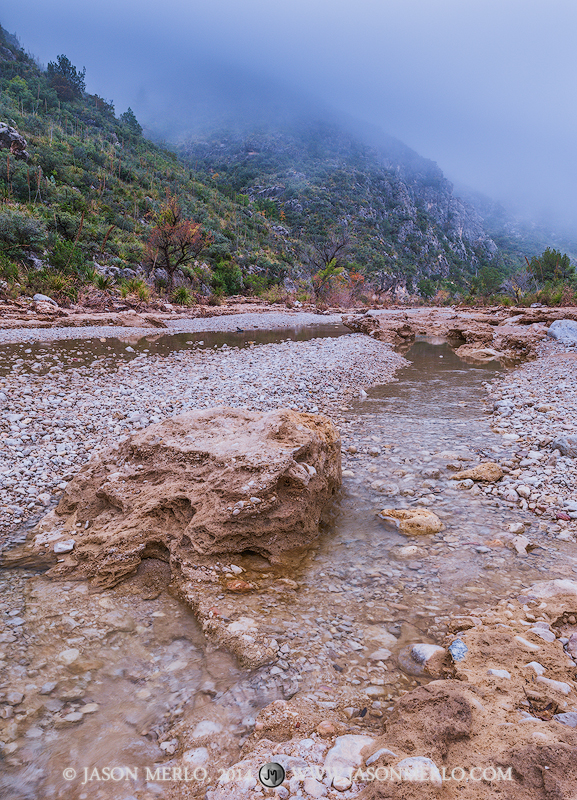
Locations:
(344, 757)
(489, 472)
(313, 788)
(43, 298)
(419, 521)
(539, 669)
(557, 686)
(65, 546)
(378, 753)
(499, 673)
(544, 633)
(420, 769)
(422, 659)
(326, 728)
(458, 650)
(380, 655)
(68, 657)
(74, 716)
(517, 527)
(568, 718)
(238, 586)
(521, 543)
(567, 445)
(527, 645)
(196, 757)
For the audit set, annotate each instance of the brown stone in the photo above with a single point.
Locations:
(207, 482)
(412, 520)
(489, 472)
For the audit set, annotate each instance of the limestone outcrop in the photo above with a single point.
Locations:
(207, 482)
(11, 140)
(497, 334)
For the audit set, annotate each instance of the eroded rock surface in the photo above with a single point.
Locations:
(505, 334)
(206, 482)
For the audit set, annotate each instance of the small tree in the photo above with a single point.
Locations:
(174, 242)
(324, 250)
(520, 284)
(66, 79)
(128, 119)
(551, 266)
(328, 277)
(426, 288)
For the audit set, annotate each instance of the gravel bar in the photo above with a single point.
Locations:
(51, 424)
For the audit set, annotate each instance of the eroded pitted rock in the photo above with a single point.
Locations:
(207, 482)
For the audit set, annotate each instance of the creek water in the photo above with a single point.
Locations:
(107, 676)
(40, 356)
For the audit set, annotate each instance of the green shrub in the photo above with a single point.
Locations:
(67, 257)
(54, 284)
(103, 282)
(8, 269)
(20, 231)
(227, 278)
(143, 292)
(183, 297)
(135, 286)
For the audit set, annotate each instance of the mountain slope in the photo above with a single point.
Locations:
(397, 209)
(269, 196)
(90, 189)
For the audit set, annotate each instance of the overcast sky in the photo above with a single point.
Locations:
(486, 88)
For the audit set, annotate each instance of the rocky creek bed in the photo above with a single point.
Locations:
(91, 676)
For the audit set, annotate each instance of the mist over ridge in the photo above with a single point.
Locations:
(481, 88)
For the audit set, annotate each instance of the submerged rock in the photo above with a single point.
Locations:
(206, 482)
(422, 659)
(412, 520)
(489, 472)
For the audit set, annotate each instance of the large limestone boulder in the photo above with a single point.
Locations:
(396, 331)
(207, 482)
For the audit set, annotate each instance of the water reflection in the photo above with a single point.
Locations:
(39, 357)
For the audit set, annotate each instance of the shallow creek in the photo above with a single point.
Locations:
(40, 356)
(105, 676)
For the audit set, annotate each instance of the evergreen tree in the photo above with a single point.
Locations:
(551, 266)
(128, 119)
(66, 79)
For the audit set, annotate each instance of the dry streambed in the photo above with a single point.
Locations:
(340, 622)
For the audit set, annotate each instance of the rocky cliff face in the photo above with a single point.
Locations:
(398, 209)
